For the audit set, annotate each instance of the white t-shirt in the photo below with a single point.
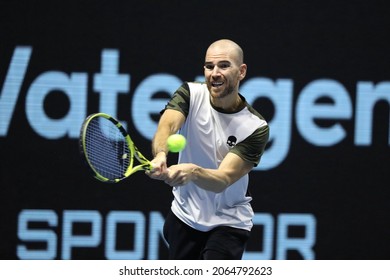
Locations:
(210, 136)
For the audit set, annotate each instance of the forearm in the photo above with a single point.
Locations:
(210, 179)
(159, 142)
(169, 124)
(231, 169)
(217, 180)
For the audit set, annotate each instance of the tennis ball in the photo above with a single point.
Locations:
(176, 143)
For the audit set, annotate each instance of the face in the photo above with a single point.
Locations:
(222, 71)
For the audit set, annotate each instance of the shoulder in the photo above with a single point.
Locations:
(253, 111)
(181, 98)
(252, 148)
(185, 90)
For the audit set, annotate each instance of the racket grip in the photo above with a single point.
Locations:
(152, 167)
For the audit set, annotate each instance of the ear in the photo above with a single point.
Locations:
(243, 69)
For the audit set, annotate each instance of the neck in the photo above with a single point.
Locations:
(230, 103)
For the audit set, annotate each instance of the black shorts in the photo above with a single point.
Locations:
(186, 243)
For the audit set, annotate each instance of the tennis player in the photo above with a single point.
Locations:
(211, 215)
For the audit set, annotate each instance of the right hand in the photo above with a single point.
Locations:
(160, 170)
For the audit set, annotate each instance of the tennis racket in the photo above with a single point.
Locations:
(108, 149)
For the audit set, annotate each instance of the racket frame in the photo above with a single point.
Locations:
(134, 152)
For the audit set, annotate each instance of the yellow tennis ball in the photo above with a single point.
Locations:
(176, 143)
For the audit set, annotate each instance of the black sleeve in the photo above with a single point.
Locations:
(252, 148)
(180, 100)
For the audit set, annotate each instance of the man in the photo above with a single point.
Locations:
(211, 215)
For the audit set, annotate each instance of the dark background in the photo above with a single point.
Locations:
(345, 186)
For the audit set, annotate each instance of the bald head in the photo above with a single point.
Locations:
(229, 47)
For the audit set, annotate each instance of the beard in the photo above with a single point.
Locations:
(216, 93)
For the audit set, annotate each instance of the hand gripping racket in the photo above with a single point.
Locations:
(109, 150)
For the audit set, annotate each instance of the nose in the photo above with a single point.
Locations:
(215, 72)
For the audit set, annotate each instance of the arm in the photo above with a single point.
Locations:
(230, 170)
(170, 122)
(237, 163)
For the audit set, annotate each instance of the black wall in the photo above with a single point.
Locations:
(336, 48)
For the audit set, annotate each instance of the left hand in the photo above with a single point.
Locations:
(179, 174)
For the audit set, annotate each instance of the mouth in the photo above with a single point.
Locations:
(216, 84)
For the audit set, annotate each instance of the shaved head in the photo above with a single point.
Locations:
(230, 47)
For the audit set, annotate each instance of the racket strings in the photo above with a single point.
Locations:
(107, 149)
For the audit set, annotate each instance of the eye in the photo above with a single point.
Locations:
(209, 66)
(224, 65)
